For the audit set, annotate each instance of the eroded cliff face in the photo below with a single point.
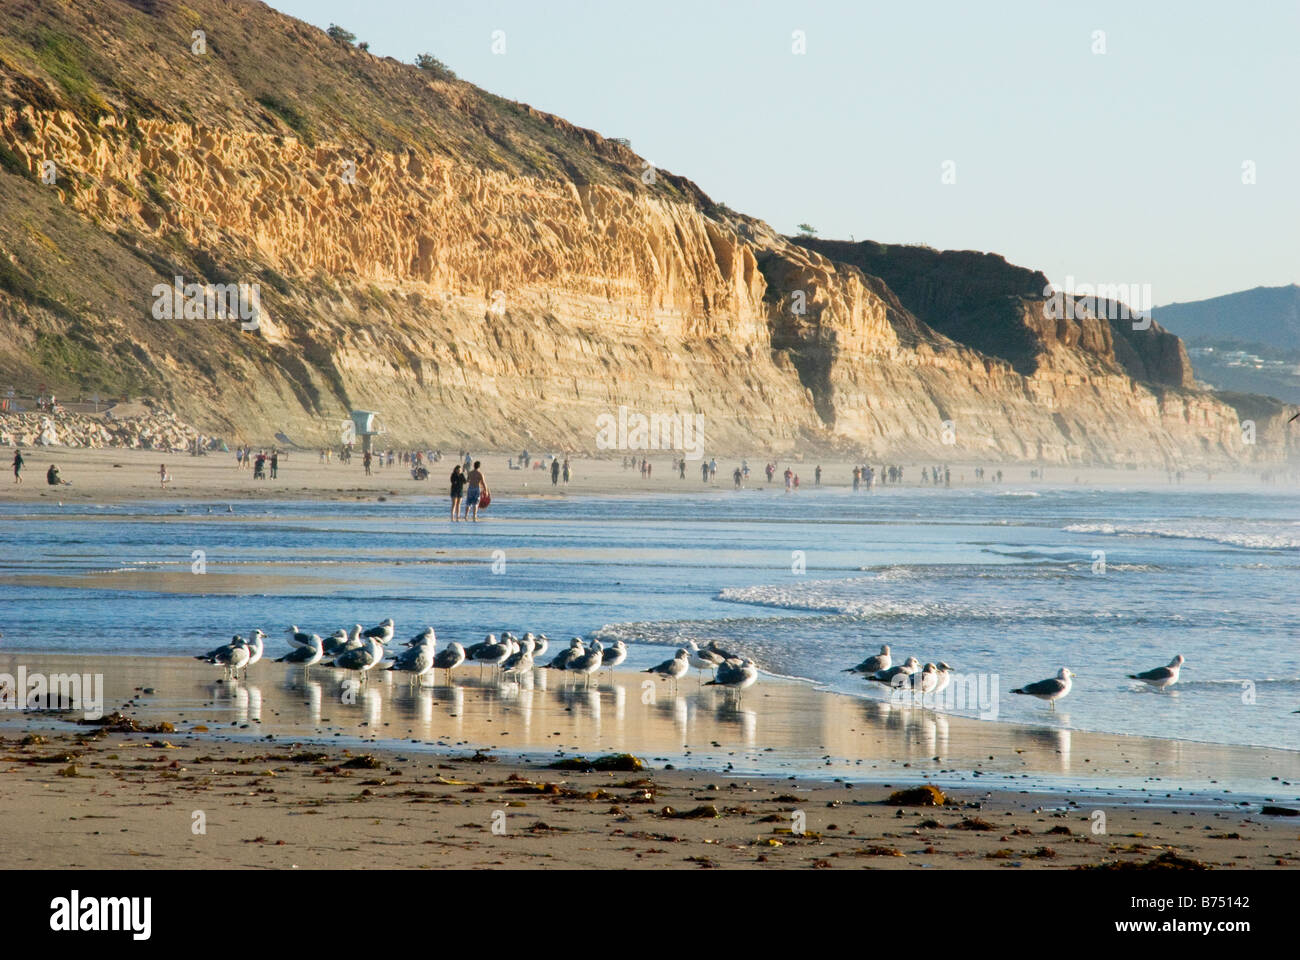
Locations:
(504, 279)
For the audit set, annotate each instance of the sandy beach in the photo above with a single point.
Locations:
(460, 777)
(119, 475)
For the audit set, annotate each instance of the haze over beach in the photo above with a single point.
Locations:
(432, 439)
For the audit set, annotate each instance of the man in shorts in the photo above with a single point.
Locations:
(477, 487)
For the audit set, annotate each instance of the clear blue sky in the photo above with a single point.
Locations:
(1122, 167)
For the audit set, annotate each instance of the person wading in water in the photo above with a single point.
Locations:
(477, 487)
(457, 491)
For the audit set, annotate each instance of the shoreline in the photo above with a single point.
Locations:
(782, 727)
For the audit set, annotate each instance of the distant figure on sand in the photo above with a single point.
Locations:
(457, 491)
(162, 476)
(555, 472)
(52, 476)
(477, 487)
(18, 466)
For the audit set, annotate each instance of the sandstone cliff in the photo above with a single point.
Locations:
(488, 275)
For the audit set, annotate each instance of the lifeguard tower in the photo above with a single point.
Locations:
(365, 424)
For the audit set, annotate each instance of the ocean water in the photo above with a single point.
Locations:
(1006, 585)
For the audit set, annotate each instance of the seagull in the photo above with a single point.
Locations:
(926, 681)
(490, 651)
(615, 654)
(541, 643)
(521, 661)
(702, 660)
(384, 632)
(1161, 677)
(308, 655)
(588, 662)
(362, 659)
(417, 661)
(674, 668)
(424, 636)
(232, 656)
(336, 642)
(299, 639)
(561, 660)
(256, 649)
(1049, 690)
(881, 661)
(724, 654)
(449, 658)
(355, 641)
(735, 676)
(945, 677)
(904, 669)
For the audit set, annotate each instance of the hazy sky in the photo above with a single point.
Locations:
(1117, 167)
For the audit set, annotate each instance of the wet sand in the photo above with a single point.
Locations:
(259, 757)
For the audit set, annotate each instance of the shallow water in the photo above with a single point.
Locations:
(1002, 584)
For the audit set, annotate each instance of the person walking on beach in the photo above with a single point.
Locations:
(275, 462)
(477, 487)
(162, 476)
(555, 471)
(18, 466)
(788, 476)
(367, 460)
(682, 470)
(239, 458)
(736, 477)
(704, 472)
(566, 471)
(457, 491)
(857, 476)
(817, 476)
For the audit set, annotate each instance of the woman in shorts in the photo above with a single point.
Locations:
(457, 491)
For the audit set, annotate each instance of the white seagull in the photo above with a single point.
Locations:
(735, 675)
(231, 656)
(889, 676)
(308, 655)
(1161, 677)
(449, 658)
(588, 662)
(874, 664)
(674, 668)
(362, 659)
(614, 655)
(702, 660)
(1049, 690)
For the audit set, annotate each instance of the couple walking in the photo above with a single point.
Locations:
(478, 493)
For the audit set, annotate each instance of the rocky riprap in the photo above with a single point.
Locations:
(157, 430)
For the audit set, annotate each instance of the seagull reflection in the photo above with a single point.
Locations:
(729, 712)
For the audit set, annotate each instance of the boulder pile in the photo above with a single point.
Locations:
(150, 430)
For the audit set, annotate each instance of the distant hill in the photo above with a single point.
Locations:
(1267, 316)
(1247, 342)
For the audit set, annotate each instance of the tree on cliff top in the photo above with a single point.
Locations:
(807, 230)
(338, 33)
(427, 61)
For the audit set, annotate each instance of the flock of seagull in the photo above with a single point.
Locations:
(934, 677)
(365, 650)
